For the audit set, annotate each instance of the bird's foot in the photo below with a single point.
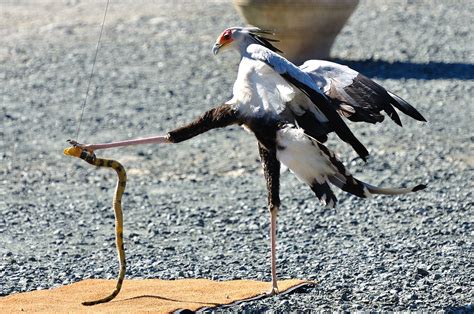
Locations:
(81, 146)
(77, 149)
(272, 292)
(73, 143)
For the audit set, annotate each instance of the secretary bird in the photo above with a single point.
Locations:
(290, 110)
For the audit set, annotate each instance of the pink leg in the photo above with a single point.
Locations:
(147, 140)
(215, 118)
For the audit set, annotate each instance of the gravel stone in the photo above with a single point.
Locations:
(198, 209)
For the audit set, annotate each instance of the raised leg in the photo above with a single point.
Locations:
(218, 117)
(161, 139)
(271, 169)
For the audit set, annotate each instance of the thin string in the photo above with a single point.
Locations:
(92, 72)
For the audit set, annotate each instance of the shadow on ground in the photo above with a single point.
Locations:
(460, 309)
(410, 70)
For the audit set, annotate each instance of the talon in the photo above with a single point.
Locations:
(72, 142)
(85, 147)
(272, 292)
(76, 144)
(76, 149)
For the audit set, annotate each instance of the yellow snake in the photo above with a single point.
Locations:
(90, 157)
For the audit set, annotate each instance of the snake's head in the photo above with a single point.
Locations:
(74, 151)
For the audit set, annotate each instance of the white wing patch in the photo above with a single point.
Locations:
(322, 71)
(329, 75)
(259, 90)
(315, 165)
(298, 152)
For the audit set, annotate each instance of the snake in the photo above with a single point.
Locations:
(87, 155)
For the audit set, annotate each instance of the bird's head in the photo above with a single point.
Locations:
(241, 37)
(227, 39)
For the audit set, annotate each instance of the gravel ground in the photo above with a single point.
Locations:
(190, 211)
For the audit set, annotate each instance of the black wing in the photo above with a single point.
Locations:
(357, 97)
(303, 82)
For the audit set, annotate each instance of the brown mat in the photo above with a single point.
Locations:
(148, 295)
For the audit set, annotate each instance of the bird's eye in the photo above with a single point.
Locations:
(226, 35)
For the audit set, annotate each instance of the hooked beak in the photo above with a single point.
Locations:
(215, 48)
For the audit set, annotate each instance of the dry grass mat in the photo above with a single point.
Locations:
(146, 295)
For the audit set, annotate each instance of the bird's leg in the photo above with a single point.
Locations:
(139, 141)
(271, 169)
(273, 219)
(218, 117)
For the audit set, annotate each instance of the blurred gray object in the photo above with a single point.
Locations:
(306, 28)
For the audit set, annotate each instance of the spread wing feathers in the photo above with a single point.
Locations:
(358, 98)
(405, 107)
(307, 86)
(314, 164)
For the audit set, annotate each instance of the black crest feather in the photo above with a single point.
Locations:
(258, 35)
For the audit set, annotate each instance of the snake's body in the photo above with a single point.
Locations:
(117, 205)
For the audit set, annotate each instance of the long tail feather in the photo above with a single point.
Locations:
(393, 191)
(350, 185)
(361, 189)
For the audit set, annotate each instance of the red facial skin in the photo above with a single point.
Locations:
(225, 37)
